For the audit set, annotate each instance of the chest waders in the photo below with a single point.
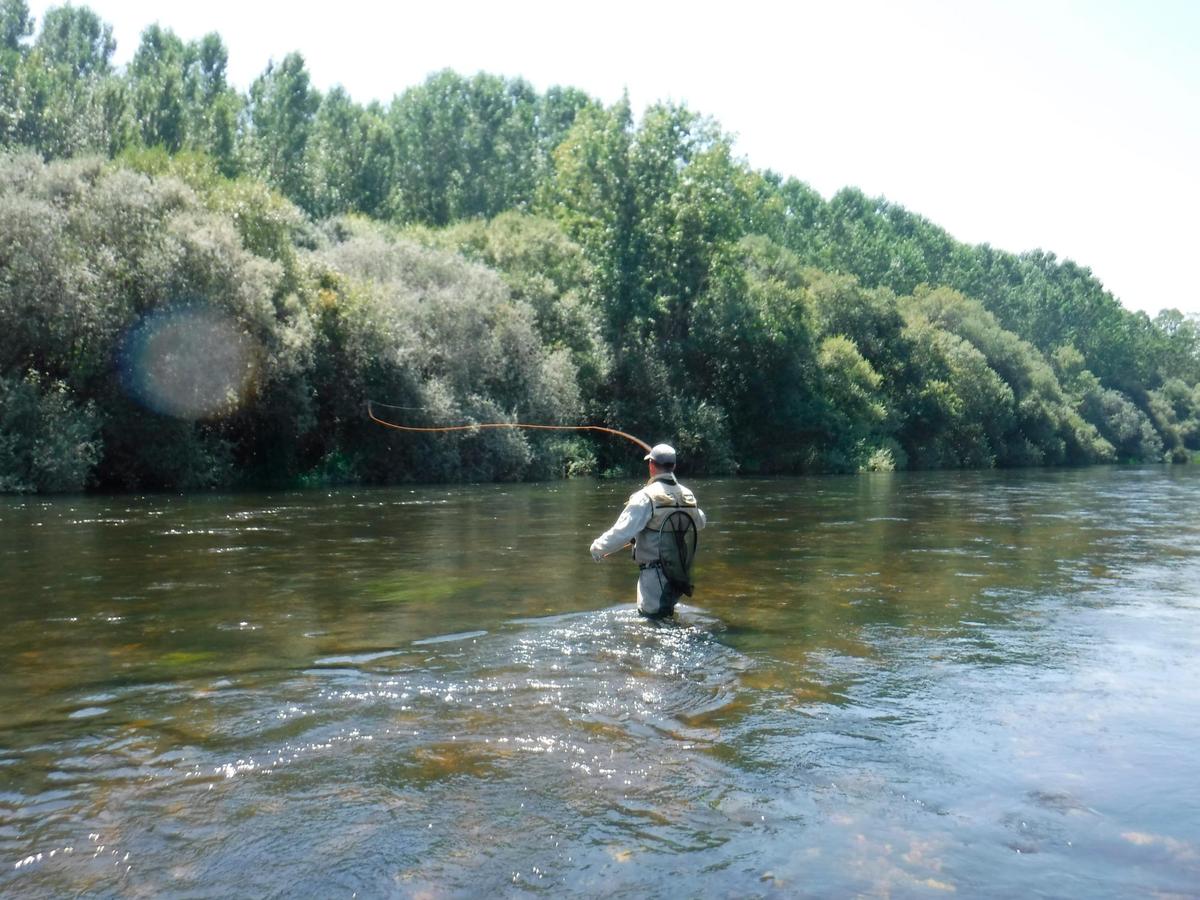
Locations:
(667, 544)
(677, 540)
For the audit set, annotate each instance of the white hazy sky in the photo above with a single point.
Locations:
(1067, 126)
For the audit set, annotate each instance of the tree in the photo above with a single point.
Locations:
(159, 94)
(791, 214)
(74, 39)
(279, 123)
(213, 105)
(63, 98)
(750, 354)
(427, 329)
(469, 147)
(558, 109)
(48, 440)
(1042, 427)
(856, 411)
(180, 98)
(1176, 416)
(15, 26)
(350, 158)
(1179, 346)
(687, 194)
(592, 196)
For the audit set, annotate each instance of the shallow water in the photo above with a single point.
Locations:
(908, 685)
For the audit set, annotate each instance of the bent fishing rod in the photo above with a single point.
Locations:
(471, 426)
(474, 425)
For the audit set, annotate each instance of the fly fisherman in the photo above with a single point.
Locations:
(655, 519)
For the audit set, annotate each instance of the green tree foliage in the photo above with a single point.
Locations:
(654, 205)
(61, 96)
(74, 39)
(1041, 420)
(180, 98)
(16, 26)
(1123, 425)
(791, 214)
(157, 81)
(687, 201)
(856, 410)
(542, 267)
(752, 355)
(959, 412)
(591, 195)
(1051, 302)
(872, 320)
(1175, 413)
(1178, 353)
(215, 105)
(468, 146)
(279, 116)
(558, 109)
(444, 338)
(882, 244)
(350, 158)
(118, 248)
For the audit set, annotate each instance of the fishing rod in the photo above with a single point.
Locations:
(441, 428)
(473, 426)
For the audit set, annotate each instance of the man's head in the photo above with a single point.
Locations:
(661, 458)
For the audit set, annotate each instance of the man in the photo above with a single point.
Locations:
(640, 521)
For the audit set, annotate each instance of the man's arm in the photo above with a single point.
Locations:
(633, 519)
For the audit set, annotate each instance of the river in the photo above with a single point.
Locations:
(910, 685)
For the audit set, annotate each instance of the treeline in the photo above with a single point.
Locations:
(201, 288)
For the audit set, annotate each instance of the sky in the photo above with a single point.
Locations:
(1070, 127)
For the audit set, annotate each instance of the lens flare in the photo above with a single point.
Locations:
(191, 362)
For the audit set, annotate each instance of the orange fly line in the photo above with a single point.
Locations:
(430, 428)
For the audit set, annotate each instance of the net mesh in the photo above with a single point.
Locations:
(676, 549)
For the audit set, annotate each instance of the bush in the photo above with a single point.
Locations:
(1125, 426)
(444, 339)
(48, 440)
(886, 458)
(99, 257)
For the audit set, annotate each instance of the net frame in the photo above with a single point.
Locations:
(678, 540)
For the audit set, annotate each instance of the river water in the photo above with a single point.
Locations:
(908, 685)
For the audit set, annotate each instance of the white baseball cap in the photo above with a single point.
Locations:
(661, 454)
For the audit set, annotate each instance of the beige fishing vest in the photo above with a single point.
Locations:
(667, 496)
